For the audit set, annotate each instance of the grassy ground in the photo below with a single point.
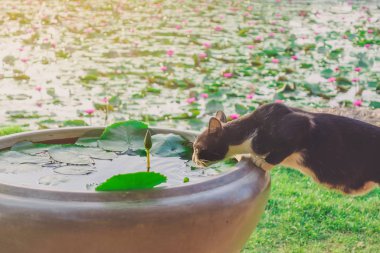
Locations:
(301, 216)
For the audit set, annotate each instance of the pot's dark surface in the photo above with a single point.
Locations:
(215, 216)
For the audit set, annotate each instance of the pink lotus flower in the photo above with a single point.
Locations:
(345, 36)
(358, 102)
(249, 96)
(170, 52)
(38, 88)
(358, 69)
(337, 69)
(271, 34)
(331, 79)
(367, 46)
(251, 46)
(88, 30)
(281, 29)
(250, 8)
(189, 31)
(275, 60)
(105, 100)
(20, 49)
(294, 57)
(89, 111)
(279, 101)
(259, 38)
(370, 31)
(218, 28)
(207, 44)
(178, 27)
(355, 80)
(202, 56)
(191, 100)
(204, 95)
(164, 68)
(228, 75)
(24, 60)
(234, 116)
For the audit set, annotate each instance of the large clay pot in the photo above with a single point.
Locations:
(215, 216)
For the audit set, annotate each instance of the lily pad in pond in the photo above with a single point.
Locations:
(31, 148)
(170, 145)
(123, 136)
(88, 142)
(132, 181)
(79, 155)
(75, 170)
(10, 168)
(21, 158)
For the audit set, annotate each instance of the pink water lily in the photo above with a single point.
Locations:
(337, 69)
(355, 80)
(279, 101)
(218, 28)
(89, 111)
(207, 44)
(271, 34)
(331, 79)
(358, 102)
(367, 46)
(259, 38)
(24, 60)
(191, 100)
(38, 88)
(370, 31)
(281, 29)
(234, 116)
(202, 56)
(164, 68)
(170, 52)
(294, 57)
(178, 27)
(105, 100)
(358, 69)
(275, 60)
(249, 96)
(204, 95)
(251, 46)
(228, 75)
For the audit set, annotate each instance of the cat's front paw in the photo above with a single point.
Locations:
(260, 162)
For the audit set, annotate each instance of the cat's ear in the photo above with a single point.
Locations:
(221, 116)
(214, 125)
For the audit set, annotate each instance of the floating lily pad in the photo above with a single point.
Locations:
(31, 148)
(132, 181)
(88, 142)
(75, 170)
(123, 136)
(70, 155)
(11, 168)
(170, 145)
(21, 158)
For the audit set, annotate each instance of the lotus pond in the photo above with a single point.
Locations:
(172, 63)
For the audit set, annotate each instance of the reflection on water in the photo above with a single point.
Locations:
(86, 178)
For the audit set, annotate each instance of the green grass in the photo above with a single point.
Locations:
(5, 130)
(302, 216)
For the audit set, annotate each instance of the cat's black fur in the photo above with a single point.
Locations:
(341, 152)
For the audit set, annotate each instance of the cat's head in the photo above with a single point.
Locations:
(211, 145)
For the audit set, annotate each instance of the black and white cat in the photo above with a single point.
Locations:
(336, 151)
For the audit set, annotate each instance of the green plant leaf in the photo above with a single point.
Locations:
(132, 181)
(73, 154)
(123, 136)
(169, 145)
(87, 142)
(31, 148)
(214, 106)
(374, 104)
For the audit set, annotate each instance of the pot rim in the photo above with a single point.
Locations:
(242, 168)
